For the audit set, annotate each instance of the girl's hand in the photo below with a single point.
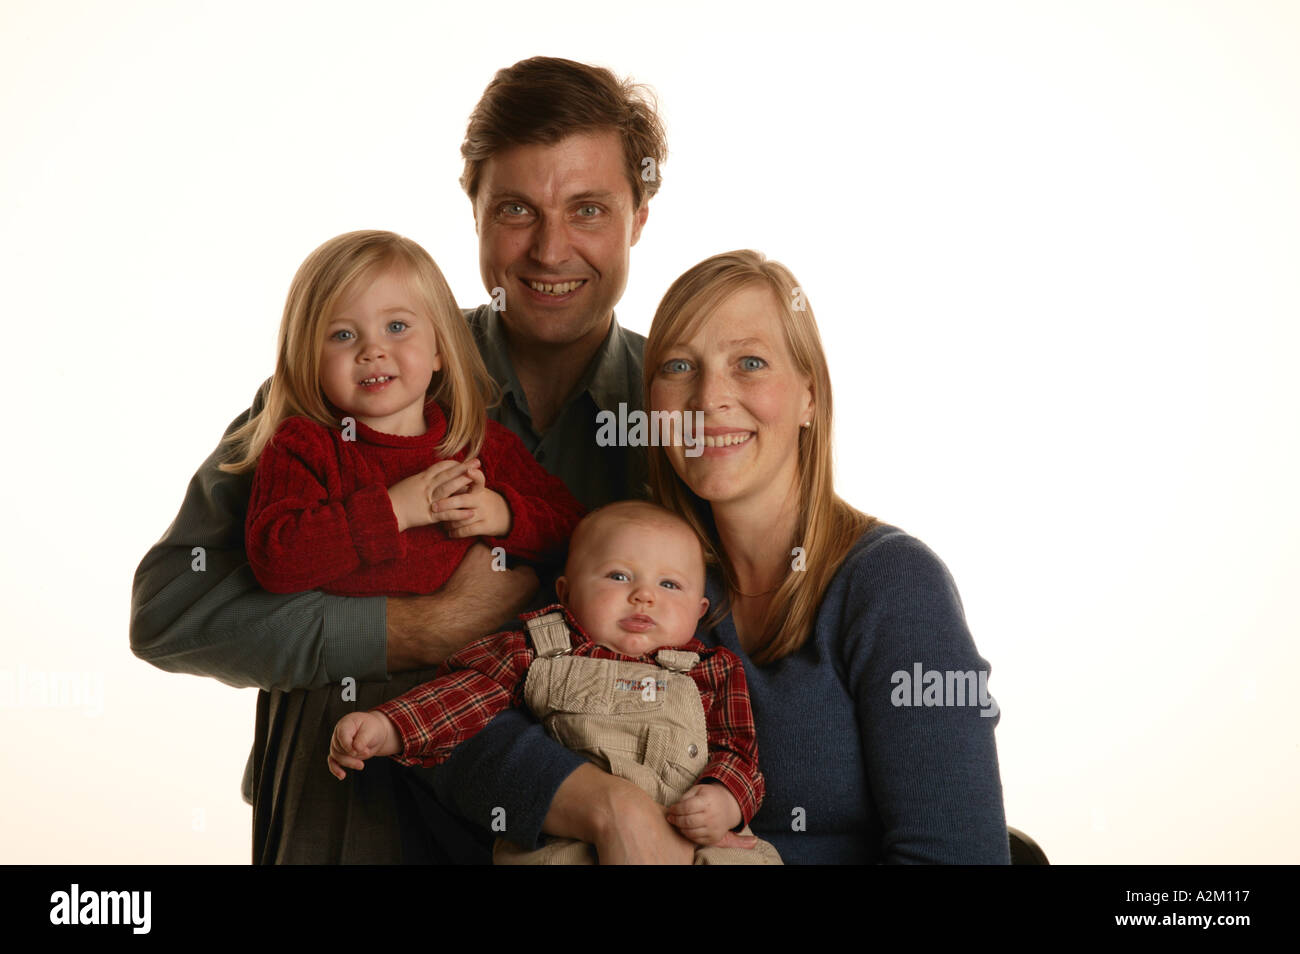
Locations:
(359, 736)
(415, 498)
(479, 512)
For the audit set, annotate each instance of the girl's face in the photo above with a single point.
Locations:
(379, 356)
(739, 372)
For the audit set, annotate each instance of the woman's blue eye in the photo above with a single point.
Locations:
(751, 363)
(677, 366)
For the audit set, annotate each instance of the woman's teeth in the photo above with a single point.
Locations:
(726, 440)
(563, 288)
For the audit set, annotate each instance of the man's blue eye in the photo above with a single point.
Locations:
(750, 363)
(589, 211)
(513, 208)
(677, 366)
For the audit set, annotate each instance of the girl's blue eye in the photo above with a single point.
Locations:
(751, 363)
(397, 326)
(677, 366)
(341, 335)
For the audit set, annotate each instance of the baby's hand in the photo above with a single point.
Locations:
(359, 736)
(478, 512)
(705, 814)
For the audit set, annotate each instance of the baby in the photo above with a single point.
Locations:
(613, 671)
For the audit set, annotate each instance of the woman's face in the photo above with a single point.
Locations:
(739, 372)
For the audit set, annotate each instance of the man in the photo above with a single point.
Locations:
(561, 162)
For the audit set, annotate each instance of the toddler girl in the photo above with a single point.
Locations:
(376, 465)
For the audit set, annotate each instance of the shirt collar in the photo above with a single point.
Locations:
(605, 378)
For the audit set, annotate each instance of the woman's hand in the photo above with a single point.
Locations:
(625, 825)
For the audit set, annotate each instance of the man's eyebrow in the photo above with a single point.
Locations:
(598, 195)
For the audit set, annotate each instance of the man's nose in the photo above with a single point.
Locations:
(551, 241)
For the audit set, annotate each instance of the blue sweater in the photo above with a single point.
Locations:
(853, 774)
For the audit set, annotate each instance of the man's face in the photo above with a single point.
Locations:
(555, 228)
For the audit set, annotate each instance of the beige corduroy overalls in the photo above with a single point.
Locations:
(639, 721)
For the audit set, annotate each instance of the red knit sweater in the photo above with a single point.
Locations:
(319, 516)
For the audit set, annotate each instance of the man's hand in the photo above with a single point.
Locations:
(706, 814)
(477, 600)
(414, 498)
(360, 736)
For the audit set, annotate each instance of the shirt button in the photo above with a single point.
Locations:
(692, 750)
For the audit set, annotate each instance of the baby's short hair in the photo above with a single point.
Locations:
(633, 511)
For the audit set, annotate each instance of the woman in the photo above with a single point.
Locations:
(832, 611)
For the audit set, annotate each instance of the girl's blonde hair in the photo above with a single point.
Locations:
(828, 527)
(328, 277)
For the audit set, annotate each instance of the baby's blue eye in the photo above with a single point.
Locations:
(751, 363)
(670, 584)
(618, 575)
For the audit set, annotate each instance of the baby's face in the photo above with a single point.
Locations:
(636, 585)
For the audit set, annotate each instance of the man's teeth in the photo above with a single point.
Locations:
(381, 379)
(726, 440)
(563, 288)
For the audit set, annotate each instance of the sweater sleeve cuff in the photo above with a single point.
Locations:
(355, 633)
(739, 787)
(373, 525)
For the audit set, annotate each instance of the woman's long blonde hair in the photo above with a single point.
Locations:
(828, 527)
(328, 277)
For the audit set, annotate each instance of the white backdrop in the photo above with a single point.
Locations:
(1052, 248)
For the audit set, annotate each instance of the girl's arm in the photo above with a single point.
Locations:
(301, 535)
(543, 511)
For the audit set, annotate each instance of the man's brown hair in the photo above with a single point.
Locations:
(543, 99)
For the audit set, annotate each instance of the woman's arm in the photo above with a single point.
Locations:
(931, 756)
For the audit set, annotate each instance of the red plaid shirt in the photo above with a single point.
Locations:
(487, 676)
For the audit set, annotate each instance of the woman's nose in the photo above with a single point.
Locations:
(713, 390)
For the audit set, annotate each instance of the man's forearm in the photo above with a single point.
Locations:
(197, 608)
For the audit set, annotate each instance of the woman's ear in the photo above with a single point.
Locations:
(810, 405)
